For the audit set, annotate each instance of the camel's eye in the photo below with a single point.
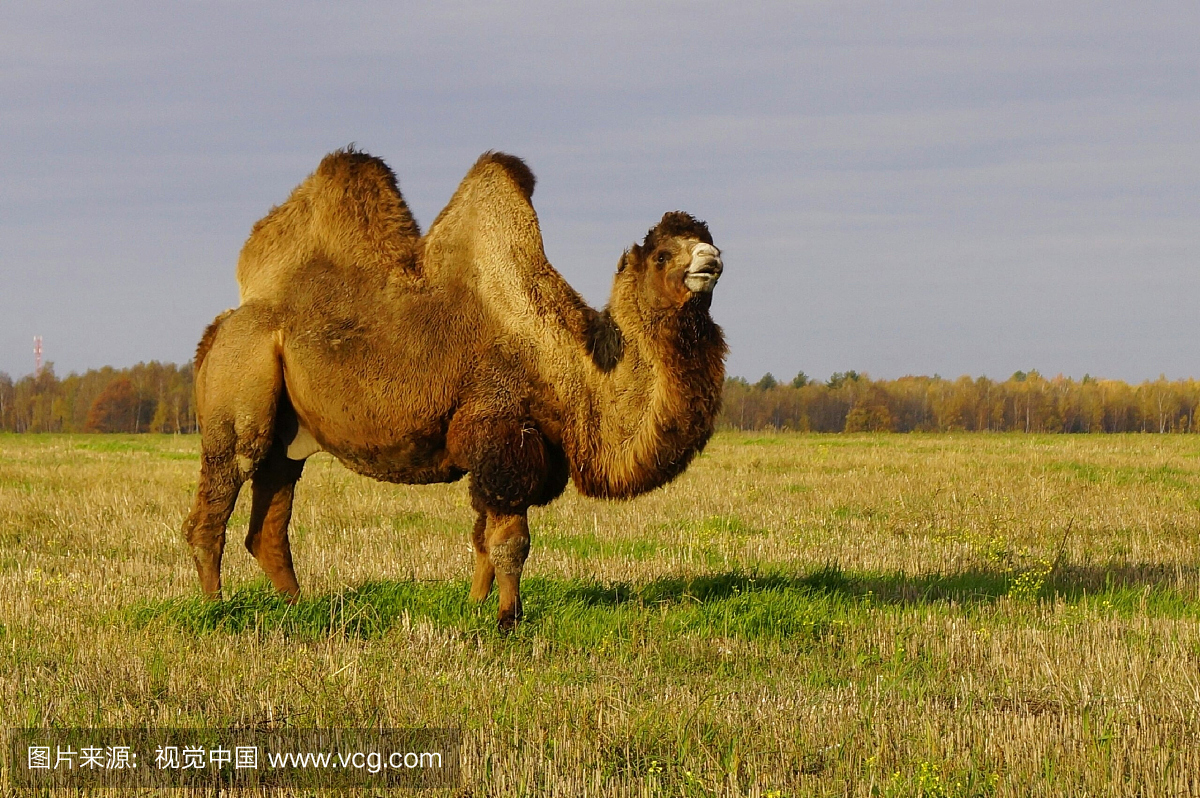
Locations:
(661, 258)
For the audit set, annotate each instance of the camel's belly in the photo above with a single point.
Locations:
(392, 427)
(413, 458)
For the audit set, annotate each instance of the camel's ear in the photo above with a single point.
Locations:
(632, 257)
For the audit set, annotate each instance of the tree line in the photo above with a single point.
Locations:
(1025, 402)
(148, 397)
(158, 397)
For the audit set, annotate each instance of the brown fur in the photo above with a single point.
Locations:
(206, 340)
(418, 360)
(349, 214)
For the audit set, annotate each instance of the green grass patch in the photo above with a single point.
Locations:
(577, 612)
(110, 443)
(366, 611)
(584, 614)
(1125, 476)
(855, 440)
(177, 455)
(162, 446)
(590, 545)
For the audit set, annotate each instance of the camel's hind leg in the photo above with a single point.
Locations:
(205, 524)
(238, 382)
(274, 485)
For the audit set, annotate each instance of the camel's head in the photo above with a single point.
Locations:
(675, 264)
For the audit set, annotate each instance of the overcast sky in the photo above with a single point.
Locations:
(898, 188)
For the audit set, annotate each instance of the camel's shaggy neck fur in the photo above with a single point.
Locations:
(651, 389)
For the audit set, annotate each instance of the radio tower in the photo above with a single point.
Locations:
(37, 355)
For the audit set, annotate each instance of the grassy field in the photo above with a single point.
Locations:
(897, 615)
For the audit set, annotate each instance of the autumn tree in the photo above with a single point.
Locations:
(116, 409)
(869, 412)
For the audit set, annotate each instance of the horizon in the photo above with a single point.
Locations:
(782, 380)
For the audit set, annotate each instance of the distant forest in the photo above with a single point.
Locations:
(149, 397)
(157, 397)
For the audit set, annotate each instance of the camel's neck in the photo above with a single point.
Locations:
(648, 403)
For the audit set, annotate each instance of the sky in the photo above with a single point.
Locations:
(897, 188)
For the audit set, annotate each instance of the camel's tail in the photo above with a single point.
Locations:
(206, 340)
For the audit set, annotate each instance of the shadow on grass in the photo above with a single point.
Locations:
(750, 605)
(1072, 583)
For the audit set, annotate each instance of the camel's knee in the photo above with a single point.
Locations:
(217, 490)
(207, 548)
(198, 534)
(505, 538)
(508, 556)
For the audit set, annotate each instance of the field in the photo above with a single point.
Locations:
(897, 615)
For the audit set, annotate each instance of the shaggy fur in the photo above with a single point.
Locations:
(604, 341)
(419, 360)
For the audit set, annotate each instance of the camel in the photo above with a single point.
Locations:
(419, 359)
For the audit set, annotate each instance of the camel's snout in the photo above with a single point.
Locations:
(704, 270)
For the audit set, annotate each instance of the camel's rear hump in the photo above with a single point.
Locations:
(348, 215)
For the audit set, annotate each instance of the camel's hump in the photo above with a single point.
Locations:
(514, 167)
(353, 167)
(349, 210)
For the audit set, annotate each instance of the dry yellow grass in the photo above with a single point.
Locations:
(980, 614)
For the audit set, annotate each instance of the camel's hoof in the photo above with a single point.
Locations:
(507, 623)
(509, 620)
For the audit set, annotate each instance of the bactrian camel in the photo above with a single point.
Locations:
(420, 359)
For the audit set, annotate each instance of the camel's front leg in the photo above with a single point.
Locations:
(507, 460)
(501, 541)
(507, 547)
